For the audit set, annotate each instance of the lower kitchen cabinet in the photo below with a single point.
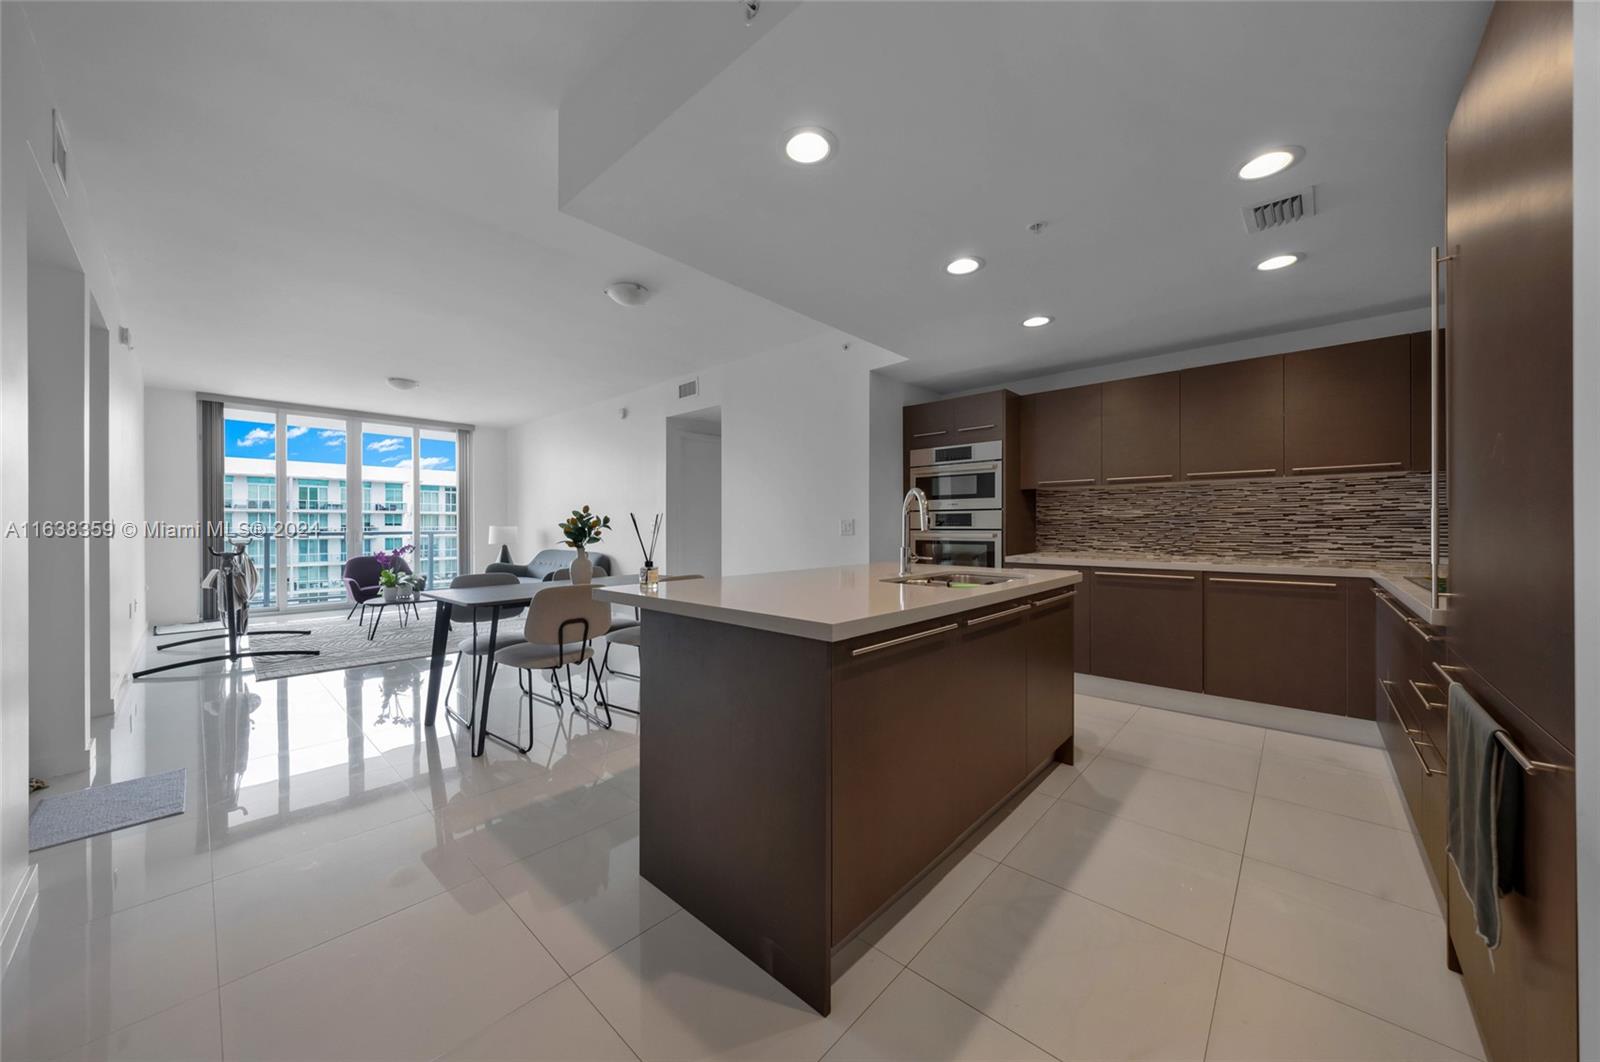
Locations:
(1146, 627)
(1276, 640)
(1050, 674)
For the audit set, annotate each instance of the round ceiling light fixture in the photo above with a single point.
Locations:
(808, 145)
(966, 265)
(1269, 162)
(1277, 261)
(627, 293)
(403, 383)
(1038, 320)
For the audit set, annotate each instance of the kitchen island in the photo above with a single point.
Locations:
(818, 740)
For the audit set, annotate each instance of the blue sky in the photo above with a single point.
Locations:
(250, 438)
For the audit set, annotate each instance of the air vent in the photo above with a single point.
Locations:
(689, 388)
(1286, 210)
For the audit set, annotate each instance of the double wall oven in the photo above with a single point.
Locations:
(964, 486)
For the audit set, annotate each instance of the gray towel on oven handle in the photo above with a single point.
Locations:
(1484, 810)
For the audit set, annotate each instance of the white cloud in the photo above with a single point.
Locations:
(435, 462)
(255, 437)
(295, 431)
(331, 434)
(386, 443)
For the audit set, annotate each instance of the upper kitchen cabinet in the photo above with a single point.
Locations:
(1348, 408)
(1061, 438)
(953, 421)
(1139, 429)
(1421, 391)
(1232, 419)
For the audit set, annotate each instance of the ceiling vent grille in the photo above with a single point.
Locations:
(1285, 210)
(689, 388)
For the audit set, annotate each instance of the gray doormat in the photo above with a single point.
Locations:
(103, 808)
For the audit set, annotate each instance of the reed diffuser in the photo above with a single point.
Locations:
(649, 575)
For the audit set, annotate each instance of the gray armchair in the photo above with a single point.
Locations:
(550, 565)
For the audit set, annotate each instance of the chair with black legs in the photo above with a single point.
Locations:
(563, 622)
(475, 639)
(628, 634)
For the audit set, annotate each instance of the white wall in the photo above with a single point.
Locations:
(25, 138)
(1586, 503)
(795, 428)
(1389, 324)
(692, 530)
(126, 436)
(491, 502)
(886, 476)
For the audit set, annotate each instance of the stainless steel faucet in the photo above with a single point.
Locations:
(914, 494)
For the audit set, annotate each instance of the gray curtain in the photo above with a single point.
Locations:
(464, 500)
(211, 501)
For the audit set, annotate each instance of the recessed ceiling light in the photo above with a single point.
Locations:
(808, 144)
(1269, 162)
(402, 383)
(1277, 261)
(1038, 320)
(960, 267)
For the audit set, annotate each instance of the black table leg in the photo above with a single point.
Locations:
(480, 735)
(441, 637)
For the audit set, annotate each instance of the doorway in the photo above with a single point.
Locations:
(694, 494)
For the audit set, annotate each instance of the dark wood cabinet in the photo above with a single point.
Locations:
(1276, 640)
(1050, 675)
(1348, 408)
(1231, 419)
(1147, 627)
(951, 421)
(1139, 429)
(1061, 438)
(1421, 391)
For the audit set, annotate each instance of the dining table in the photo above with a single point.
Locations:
(471, 601)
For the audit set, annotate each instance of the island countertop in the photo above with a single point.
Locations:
(830, 604)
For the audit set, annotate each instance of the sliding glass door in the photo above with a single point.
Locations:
(313, 489)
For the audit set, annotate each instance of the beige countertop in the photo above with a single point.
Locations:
(1392, 577)
(829, 604)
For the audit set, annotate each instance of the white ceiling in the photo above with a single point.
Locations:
(1121, 125)
(299, 200)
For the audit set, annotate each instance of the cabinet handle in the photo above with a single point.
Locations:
(1432, 706)
(1064, 482)
(865, 649)
(1416, 749)
(1138, 479)
(1233, 472)
(929, 434)
(977, 427)
(1052, 600)
(1346, 468)
(1433, 425)
(1275, 582)
(1410, 621)
(1145, 575)
(1529, 766)
(999, 615)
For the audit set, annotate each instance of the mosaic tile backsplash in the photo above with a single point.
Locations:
(1331, 519)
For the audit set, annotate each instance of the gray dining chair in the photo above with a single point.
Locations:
(475, 638)
(629, 635)
(562, 623)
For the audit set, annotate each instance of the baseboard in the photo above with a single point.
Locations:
(18, 913)
(1272, 716)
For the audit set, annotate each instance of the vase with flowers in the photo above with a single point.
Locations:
(581, 530)
(394, 575)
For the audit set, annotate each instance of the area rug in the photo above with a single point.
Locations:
(342, 643)
(103, 808)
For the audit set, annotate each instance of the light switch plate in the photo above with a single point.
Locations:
(847, 527)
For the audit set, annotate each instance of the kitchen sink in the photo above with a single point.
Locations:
(954, 580)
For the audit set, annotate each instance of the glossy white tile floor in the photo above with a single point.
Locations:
(349, 885)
